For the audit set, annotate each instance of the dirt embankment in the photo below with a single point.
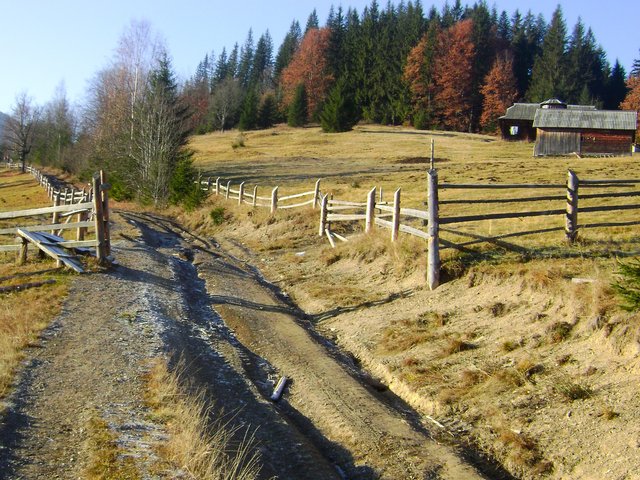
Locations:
(90, 363)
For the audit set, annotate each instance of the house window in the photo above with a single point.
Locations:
(513, 131)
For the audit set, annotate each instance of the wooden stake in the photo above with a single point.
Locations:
(255, 196)
(395, 227)
(371, 204)
(98, 219)
(241, 193)
(316, 194)
(433, 247)
(56, 203)
(104, 190)
(274, 200)
(324, 201)
(571, 224)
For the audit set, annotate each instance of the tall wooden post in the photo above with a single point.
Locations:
(316, 193)
(274, 200)
(99, 222)
(208, 184)
(241, 193)
(433, 246)
(371, 205)
(226, 194)
(255, 196)
(21, 258)
(380, 196)
(217, 189)
(104, 191)
(324, 203)
(432, 158)
(571, 221)
(395, 227)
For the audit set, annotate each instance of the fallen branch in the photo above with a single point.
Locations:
(25, 286)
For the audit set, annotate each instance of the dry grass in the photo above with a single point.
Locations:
(24, 314)
(203, 450)
(107, 460)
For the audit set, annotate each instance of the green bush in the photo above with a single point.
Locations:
(217, 215)
(184, 187)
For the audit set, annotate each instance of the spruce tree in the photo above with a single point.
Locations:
(287, 48)
(246, 60)
(616, 89)
(268, 112)
(339, 112)
(297, 115)
(635, 68)
(549, 76)
(249, 115)
(312, 21)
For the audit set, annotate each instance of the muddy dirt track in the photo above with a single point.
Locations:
(177, 294)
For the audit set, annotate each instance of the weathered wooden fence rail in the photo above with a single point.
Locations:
(243, 195)
(90, 207)
(412, 221)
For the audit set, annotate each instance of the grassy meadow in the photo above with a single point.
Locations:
(350, 164)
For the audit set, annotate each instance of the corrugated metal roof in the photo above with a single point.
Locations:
(521, 111)
(527, 111)
(586, 119)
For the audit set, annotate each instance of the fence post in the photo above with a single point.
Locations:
(316, 193)
(433, 250)
(241, 193)
(571, 225)
(21, 257)
(274, 200)
(324, 202)
(217, 190)
(104, 195)
(56, 215)
(380, 195)
(371, 205)
(395, 227)
(255, 196)
(208, 184)
(99, 222)
(226, 194)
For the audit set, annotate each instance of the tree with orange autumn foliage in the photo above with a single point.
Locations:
(632, 100)
(499, 91)
(453, 76)
(309, 67)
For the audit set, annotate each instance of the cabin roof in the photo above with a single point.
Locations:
(527, 111)
(586, 119)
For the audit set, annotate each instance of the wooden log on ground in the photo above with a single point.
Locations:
(25, 286)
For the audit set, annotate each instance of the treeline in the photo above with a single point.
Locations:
(458, 68)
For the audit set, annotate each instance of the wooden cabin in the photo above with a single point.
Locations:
(584, 132)
(517, 123)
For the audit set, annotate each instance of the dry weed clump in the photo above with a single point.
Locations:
(194, 444)
(559, 331)
(405, 334)
(570, 390)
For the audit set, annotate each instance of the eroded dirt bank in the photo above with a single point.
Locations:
(329, 424)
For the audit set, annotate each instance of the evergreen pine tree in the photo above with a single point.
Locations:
(635, 68)
(287, 48)
(339, 112)
(262, 65)
(549, 76)
(616, 89)
(297, 115)
(249, 114)
(232, 64)
(312, 21)
(246, 60)
(268, 112)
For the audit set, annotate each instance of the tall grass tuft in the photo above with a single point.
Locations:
(204, 450)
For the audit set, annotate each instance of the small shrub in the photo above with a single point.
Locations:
(510, 345)
(559, 331)
(572, 391)
(457, 345)
(238, 142)
(218, 215)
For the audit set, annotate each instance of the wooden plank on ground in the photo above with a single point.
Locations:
(47, 243)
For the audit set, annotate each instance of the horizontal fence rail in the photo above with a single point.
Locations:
(412, 221)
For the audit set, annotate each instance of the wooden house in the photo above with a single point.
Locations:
(517, 123)
(584, 132)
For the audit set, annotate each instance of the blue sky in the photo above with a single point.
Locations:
(46, 42)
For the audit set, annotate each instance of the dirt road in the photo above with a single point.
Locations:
(175, 294)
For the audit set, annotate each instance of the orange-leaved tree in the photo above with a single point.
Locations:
(632, 100)
(499, 91)
(453, 76)
(309, 67)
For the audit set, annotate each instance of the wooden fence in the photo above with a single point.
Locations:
(242, 194)
(391, 215)
(89, 206)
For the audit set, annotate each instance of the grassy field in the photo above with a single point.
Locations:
(24, 314)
